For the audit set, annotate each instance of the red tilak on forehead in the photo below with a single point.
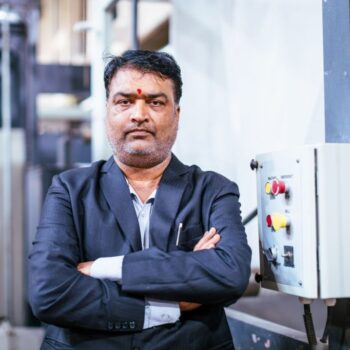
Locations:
(139, 91)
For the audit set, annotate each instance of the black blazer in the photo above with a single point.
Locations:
(88, 213)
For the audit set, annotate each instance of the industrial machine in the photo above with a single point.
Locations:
(35, 145)
(304, 220)
(303, 224)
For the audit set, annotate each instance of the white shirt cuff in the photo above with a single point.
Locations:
(108, 268)
(158, 312)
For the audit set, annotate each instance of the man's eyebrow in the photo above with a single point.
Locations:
(123, 94)
(135, 95)
(156, 95)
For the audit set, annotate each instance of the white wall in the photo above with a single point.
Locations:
(253, 82)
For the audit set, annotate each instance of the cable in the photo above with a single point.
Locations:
(324, 338)
(309, 325)
(250, 217)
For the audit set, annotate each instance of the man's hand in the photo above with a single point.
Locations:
(209, 240)
(187, 306)
(85, 267)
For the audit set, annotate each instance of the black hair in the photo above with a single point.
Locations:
(159, 63)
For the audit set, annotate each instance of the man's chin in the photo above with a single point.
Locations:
(141, 158)
(139, 151)
(139, 147)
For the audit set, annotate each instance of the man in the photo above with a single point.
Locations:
(141, 251)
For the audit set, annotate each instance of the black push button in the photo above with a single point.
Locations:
(125, 325)
(110, 325)
(132, 324)
(117, 325)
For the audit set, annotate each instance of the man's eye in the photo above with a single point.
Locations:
(157, 103)
(124, 102)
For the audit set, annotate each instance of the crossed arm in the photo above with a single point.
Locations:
(208, 241)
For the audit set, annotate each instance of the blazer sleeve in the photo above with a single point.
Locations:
(61, 295)
(212, 276)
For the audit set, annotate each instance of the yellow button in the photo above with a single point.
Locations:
(279, 221)
(268, 187)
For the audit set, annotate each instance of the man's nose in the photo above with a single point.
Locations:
(139, 113)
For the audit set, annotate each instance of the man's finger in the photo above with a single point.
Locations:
(187, 306)
(85, 267)
(211, 232)
(208, 237)
(202, 241)
(208, 241)
(215, 239)
(212, 243)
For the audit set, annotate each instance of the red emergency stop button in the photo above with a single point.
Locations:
(278, 187)
(268, 221)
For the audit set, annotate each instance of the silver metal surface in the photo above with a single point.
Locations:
(336, 53)
(134, 21)
(7, 171)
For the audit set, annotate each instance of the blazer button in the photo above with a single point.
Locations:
(132, 324)
(117, 325)
(110, 325)
(125, 325)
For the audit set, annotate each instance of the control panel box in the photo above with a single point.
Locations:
(304, 220)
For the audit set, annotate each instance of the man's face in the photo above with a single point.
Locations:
(142, 118)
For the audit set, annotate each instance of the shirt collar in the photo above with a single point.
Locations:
(135, 196)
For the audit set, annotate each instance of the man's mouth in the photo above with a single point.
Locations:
(139, 132)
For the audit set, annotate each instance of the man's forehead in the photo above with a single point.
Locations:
(131, 75)
(131, 81)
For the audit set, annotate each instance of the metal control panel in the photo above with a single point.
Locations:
(304, 223)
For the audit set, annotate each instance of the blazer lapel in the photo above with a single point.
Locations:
(117, 194)
(167, 202)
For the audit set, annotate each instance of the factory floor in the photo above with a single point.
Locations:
(282, 309)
